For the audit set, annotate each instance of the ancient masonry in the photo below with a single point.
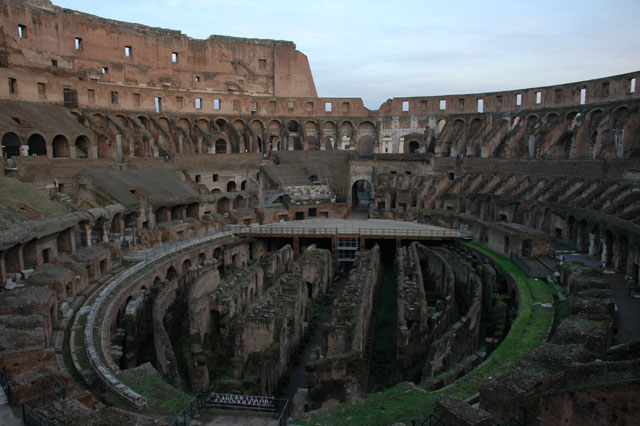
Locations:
(142, 167)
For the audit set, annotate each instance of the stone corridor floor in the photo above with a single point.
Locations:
(628, 307)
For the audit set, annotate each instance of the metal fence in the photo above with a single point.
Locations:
(366, 232)
(30, 415)
(430, 420)
(190, 412)
(531, 271)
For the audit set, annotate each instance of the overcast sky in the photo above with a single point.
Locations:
(377, 50)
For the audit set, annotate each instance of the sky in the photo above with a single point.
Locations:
(377, 50)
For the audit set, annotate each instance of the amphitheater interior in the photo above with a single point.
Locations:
(190, 234)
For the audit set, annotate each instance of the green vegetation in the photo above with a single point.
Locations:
(380, 375)
(162, 398)
(403, 402)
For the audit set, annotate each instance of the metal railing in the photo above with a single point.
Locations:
(430, 420)
(103, 373)
(31, 417)
(366, 232)
(531, 271)
(30, 414)
(190, 412)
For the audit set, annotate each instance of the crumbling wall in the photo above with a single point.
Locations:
(341, 370)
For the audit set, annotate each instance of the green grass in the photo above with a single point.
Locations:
(403, 402)
(162, 398)
(380, 375)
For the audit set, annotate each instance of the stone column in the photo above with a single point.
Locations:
(592, 246)
(85, 236)
(119, 148)
(105, 231)
(605, 252)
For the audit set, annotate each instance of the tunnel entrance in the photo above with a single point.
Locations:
(361, 193)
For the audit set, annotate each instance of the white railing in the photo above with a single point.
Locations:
(121, 389)
(367, 232)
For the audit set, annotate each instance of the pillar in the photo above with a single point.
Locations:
(593, 249)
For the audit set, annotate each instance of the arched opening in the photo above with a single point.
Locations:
(222, 125)
(11, 145)
(37, 145)
(163, 214)
(193, 210)
(221, 146)
(231, 186)
(361, 194)
(82, 147)
(222, 206)
(413, 147)
(186, 265)
(171, 274)
(293, 126)
(60, 147)
(239, 202)
(201, 258)
(243, 185)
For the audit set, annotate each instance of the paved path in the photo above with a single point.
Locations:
(628, 307)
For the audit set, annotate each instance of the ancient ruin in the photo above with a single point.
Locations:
(187, 228)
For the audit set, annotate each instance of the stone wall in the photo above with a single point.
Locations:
(340, 369)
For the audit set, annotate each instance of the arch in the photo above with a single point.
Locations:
(231, 186)
(243, 185)
(171, 274)
(620, 117)
(221, 146)
(440, 125)
(222, 205)
(239, 125)
(329, 127)
(414, 146)
(257, 126)
(193, 210)
(239, 202)
(123, 120)
(222, 124)
(11, 144)
(457, 126)
(293, 126)
(361, 193)
(201, 258)
(366, 126)
(82, 145)
(184, 124)
(310, 127)
(594, 116)
(37, 145)
(186, 265)
(274, 126)
(551, 120)
(163, 214)
(60, 147)
(346, 128)
(164, 123)
(101, 121)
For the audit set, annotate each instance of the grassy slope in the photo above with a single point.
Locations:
(403, 402)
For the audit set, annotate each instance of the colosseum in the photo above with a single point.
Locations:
(189, 235)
